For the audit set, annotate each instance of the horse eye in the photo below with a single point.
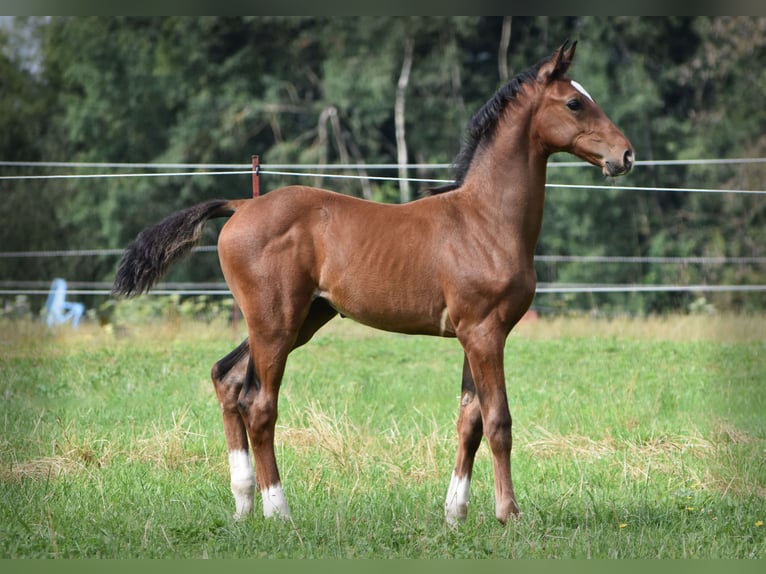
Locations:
(574, 105)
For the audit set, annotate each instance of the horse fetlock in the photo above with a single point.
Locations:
(456, 504)
(455, 515)
(506, 510)
(274, 502)
(243, 500)
(242, 482)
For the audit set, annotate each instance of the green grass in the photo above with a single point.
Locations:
(632, 439)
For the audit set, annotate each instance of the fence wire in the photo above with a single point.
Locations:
(320, 170)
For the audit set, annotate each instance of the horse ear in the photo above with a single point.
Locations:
(558, 64)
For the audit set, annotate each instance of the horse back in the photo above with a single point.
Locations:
(372, 262)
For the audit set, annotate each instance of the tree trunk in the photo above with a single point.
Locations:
(401, 142)
(502, 51)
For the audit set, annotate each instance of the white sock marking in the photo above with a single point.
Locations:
(242, 482)
(274, 502)
(577, 86)
(456, 505)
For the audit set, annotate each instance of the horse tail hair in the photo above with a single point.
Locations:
(157, 247)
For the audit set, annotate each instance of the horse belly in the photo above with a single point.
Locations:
(391, 318)
(402, 306)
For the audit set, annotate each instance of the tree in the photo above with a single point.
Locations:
(329, 90)
(27, 212)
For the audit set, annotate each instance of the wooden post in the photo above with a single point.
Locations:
(256, 172)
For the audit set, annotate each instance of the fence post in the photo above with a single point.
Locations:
(256, 172)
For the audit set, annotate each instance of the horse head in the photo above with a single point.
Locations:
(568, 119)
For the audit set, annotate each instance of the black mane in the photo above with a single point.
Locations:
(483, 125)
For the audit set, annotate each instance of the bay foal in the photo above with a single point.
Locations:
(457, 263)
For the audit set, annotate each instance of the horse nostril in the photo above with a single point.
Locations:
(627, 160)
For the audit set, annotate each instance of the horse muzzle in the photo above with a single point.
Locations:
(620, 167)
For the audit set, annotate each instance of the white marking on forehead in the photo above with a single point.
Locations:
(582, 90)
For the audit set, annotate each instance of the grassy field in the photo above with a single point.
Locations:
(632, 439)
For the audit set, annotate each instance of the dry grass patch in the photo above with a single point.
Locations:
(44, 468)
(683, 328)
(164, 448)
(168, 448)
(691, 458)
(349, 447)
(584, 447)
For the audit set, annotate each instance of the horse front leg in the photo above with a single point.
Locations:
(484, 350)
(228, 376)
(469, 428)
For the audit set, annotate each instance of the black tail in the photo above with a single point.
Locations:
(157, 247)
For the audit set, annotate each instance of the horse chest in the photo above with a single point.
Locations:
(504, 292)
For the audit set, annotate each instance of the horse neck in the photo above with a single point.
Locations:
(507, 182)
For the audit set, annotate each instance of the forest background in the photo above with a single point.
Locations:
(382, 90)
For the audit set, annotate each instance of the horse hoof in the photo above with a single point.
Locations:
(455, 516)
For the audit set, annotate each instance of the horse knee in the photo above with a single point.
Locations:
(497, 429)
(260, 412)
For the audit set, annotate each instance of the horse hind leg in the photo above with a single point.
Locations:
(258, 399)
(469, 427)
(257, 405)
(228, 377)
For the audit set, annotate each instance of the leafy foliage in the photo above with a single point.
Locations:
(316, 90)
